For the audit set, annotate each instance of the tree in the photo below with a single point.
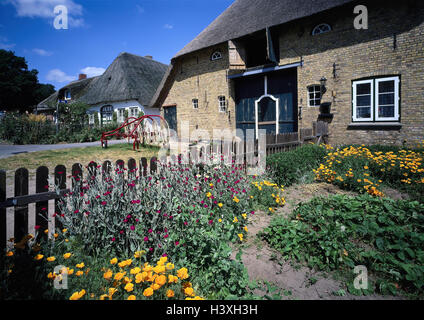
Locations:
(19, 87)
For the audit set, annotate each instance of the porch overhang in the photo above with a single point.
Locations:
(266, 70)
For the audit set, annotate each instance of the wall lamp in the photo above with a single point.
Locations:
(323, 82)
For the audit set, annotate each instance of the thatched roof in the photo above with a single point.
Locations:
(129, 77)
(242, 18)
(248, 16)
(78, 88)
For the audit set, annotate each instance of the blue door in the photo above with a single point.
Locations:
(170, 115)
(279, 85)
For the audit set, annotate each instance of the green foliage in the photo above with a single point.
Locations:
(340, 232)
(20, 129)
(115, 118)
(19, 87)
(73, 117)
(96, 119)
(177, 213)
(294, 166)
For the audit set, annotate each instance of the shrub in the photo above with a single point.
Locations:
(26, 129)
(290, 167)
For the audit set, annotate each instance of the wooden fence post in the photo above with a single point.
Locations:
(21, 213)
(41, 208)
(77, 175)
(132, 168)
(3, 223)
(153, 165)
(143, 167)
(60, 181)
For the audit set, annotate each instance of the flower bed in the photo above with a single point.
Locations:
(364, 171)
(185, 214)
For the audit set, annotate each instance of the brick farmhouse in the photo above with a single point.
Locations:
(281, 65)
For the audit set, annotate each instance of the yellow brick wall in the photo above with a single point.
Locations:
(357, 54)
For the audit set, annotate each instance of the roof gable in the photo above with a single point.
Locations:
(247, 16)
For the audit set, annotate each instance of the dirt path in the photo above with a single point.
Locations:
(267, 265)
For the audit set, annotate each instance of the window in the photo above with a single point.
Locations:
(134, 112)
(222, 104)
(91, 118)
(314, 95)
(106, 113)
(195, 103)
(216, 55)
(67, 94)
(376, 99)
(121, 115)
(321, 28)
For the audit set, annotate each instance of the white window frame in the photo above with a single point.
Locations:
(222, 104)
(317, 29)
(195, 103)
(121, 115)
(355, 83)
(65, 95)
(374, 99)
(91, 118)
(314, 92)
(131, 112)
(396, 99)
(216, 55)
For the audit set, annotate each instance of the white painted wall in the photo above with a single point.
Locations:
(124, 105)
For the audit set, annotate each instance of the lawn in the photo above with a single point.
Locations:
(68, 157)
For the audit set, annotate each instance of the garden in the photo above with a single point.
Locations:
(27, 128)
(213, 232)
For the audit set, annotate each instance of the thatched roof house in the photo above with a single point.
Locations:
(244, 17)
(128, 83)
(283, 65)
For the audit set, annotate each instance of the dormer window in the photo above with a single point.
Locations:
(67, 94)
(321, 28)
(216, 55)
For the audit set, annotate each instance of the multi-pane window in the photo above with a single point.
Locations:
(314, 95)
(195, 103)
(106, 113)
(134, 112)
(121, 115)
(91, 118)
(376, 99)
(216, 55)
(222, 104)
(321, 28)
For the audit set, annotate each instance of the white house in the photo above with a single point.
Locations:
(128, 84)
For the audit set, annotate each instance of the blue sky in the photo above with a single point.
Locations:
(98, 30)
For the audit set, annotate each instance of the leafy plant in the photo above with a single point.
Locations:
(340, 232)
(290, 167)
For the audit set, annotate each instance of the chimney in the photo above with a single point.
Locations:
(82, 76)
(149, 57)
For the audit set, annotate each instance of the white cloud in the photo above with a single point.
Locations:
(42, 52)
(5, 44)
(168, 26)
(45, 9)
(57, 75)
(92, 71)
